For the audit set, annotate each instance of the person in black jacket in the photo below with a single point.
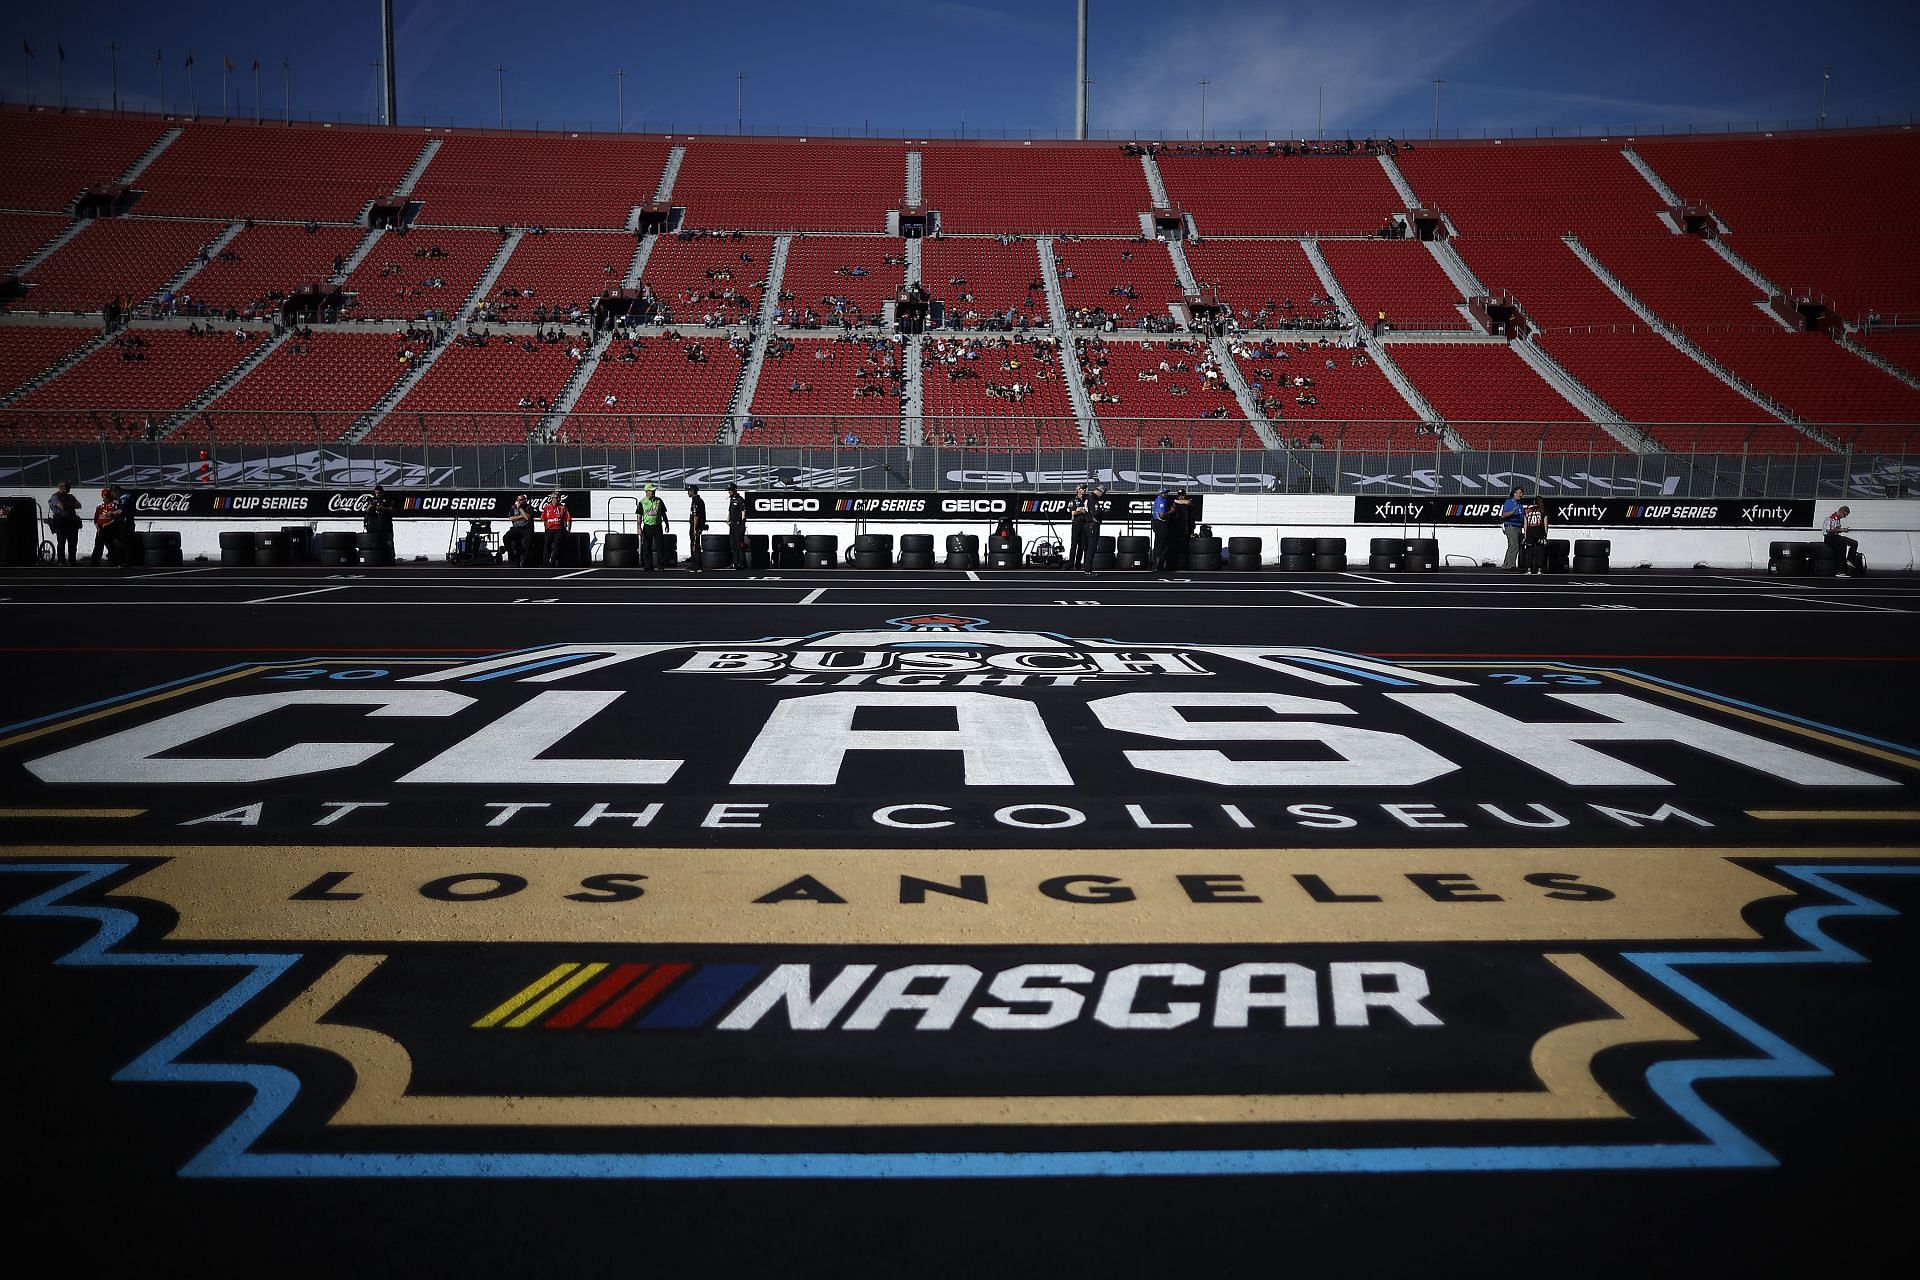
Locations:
(696, 526)
(736, 528)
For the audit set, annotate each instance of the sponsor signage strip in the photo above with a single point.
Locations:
(818, 504)
(343, 504)
(1742, 513)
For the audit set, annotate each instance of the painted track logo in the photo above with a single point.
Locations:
(741, 909)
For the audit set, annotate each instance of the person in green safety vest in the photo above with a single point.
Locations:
(653, 530)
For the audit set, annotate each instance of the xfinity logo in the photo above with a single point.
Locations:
(1410, 510)
(1593, 512)
(1775, 515)
(1156, 996)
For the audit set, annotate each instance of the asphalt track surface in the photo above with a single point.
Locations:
(97, 1162)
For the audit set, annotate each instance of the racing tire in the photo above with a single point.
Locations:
(916, 560)
(1330, 563)
(1296, 546)
(1243, 561)
(1330, 547)
(1296, 563)
(1592, 564)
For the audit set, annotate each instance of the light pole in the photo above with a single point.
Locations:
(1203, 109)
(1320, 115)
(500, 79)
(620, 99)
(378, 97)
(1436, 106)
(740, 104)
(286, 91)
(1826, 74)
(113, 61)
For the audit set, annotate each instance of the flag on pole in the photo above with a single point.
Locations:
(26, 48)
(61, 50)
(229, 62)
(189, 61)
(256, 64)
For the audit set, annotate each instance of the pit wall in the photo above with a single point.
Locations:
(1888, 532)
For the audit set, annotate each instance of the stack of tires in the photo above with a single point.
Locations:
(1411, 555)
(759, 552)
(1104, 553)
(1823, 561)
(299, 539)
(822, 550)
(1296, 554)
(789, 551)
(339, 548)
(1203, 555)
(916, 551)
(270, 550)
(963, 551)
(621, 551)
(713, 551)
(873, 551)
(1243, 554)
(1003, 551)
(160, 549)
(1132, 552)
(1593, 555)
(236, 549)
(1790, 559)
(1324, 554)
(373, 548)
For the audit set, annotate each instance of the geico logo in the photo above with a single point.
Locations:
(347, 502)
(1000, 740)
(789, 504)
(1154, 996)
(161, 502)
(988, 506)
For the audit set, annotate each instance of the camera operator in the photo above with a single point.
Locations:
(1077, 515)
(378, 519)
(518, 542)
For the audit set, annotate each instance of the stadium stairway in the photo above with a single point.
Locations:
(151, 154)
(1686, 345)
(914, 183)
(420, 162)
(1083, 413)
(1654, 180)
(483, 287)
(193, 268)
(637, 267)
(1874, 358)
(1181, 267)
(1156, 185)
(358, 256)
(58, 367)
(1236, 380)
(1579, 395)
(1328, 281)
(756, 359)
(384, 405)
(51, 247)
(248, 363)
(915, 256)
(549, 427)
(1717, 243)
(664, 191)
(913, 398)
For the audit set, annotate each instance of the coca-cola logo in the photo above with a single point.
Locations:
(162, 502)
(352, 502)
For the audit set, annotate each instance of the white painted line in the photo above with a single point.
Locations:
(1827, 602)
(813, 595)
(168, 573)
(577, 573)
(1344, 604)
(972, 576)
(1364, 578)
(270, 599)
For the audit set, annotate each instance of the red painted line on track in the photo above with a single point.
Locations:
(639, 997)
(598, 994)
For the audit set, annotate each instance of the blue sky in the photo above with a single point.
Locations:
(1007, 65)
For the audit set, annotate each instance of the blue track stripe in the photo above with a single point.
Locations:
(698, 996)
(524, 667)
(126, 697)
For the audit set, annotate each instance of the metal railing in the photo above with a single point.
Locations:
(599, 450)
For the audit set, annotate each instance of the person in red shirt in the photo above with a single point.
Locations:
(105, 541)
(557, 521)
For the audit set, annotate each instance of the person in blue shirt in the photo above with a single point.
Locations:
(1162, 508)
(1513, 513)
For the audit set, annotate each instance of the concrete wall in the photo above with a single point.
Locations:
(1888, 531)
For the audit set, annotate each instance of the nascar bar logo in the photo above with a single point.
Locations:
(936, 898)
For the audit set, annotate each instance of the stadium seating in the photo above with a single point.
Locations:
(1260, 195)
(1494, 400)
(981, 278)
(1258, 279)
(267, 259)
(26, 349)
(660, 398)
(1901, 346)
(960, 411)
(473, 394)
(822, 391)
(547, 180)
(109, 396)
(1142, 406)
(818, 270)
(996, 188)
(308, 390)
(1533, 189)
(127, 258)
(786, 186)
(1092, 270)
(1398, 277)
(1664, 392)
(1821, 381)
(273, 172)
(1683, 281)
(564, 269)
(23, 233)
(47, 160)
(1354, 406)
(1544, 276)
(395, 280)
(1822, 215)
(686, 277)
